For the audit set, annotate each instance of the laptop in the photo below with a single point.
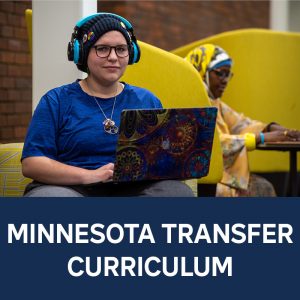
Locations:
(156, 144)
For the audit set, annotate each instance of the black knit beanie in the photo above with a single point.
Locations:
(92, 30)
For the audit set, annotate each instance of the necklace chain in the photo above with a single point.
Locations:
(108, 124)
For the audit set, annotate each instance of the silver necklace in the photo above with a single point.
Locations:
(109, 125)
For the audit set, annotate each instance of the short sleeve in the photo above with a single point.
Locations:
(42, 132)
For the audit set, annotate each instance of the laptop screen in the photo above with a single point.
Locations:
(156, 144)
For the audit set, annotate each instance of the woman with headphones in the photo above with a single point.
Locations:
(70, 145)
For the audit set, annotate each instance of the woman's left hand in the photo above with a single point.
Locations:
(292, 134)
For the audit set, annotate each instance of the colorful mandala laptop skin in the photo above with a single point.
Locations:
(157, 144)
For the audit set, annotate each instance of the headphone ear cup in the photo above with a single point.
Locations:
(71, 51)
(135, 53)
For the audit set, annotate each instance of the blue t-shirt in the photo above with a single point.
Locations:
(67, 125)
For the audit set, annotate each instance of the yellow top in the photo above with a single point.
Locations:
(237, 135)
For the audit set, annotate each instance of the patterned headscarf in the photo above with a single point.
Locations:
(208, 57)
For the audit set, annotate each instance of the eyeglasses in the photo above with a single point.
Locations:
(223, 74)
(105, 50)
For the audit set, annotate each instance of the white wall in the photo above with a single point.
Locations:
(52, 26)
(285, 15)
(279, 15)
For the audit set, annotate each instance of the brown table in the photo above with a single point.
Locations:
(293, 148)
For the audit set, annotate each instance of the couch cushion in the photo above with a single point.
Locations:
(12, 181)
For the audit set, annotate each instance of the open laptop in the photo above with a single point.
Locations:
(157, 144)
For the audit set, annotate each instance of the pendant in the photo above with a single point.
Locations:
(110, 127)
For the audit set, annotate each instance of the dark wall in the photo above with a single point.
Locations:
(170, 24)
(15, 72)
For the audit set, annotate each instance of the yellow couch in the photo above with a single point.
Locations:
(12, 182)
(265, 85)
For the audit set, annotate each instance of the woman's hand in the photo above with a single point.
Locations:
(293, 134)
(282, 136)
(102, 174)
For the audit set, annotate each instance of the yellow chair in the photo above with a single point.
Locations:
(177, 84)
(28, 19)
(12, 181)
(265, 85)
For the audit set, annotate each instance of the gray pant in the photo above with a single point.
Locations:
(163, 188)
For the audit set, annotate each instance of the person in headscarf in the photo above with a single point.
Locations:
(238, 134)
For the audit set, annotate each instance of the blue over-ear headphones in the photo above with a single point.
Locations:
(75, 46)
